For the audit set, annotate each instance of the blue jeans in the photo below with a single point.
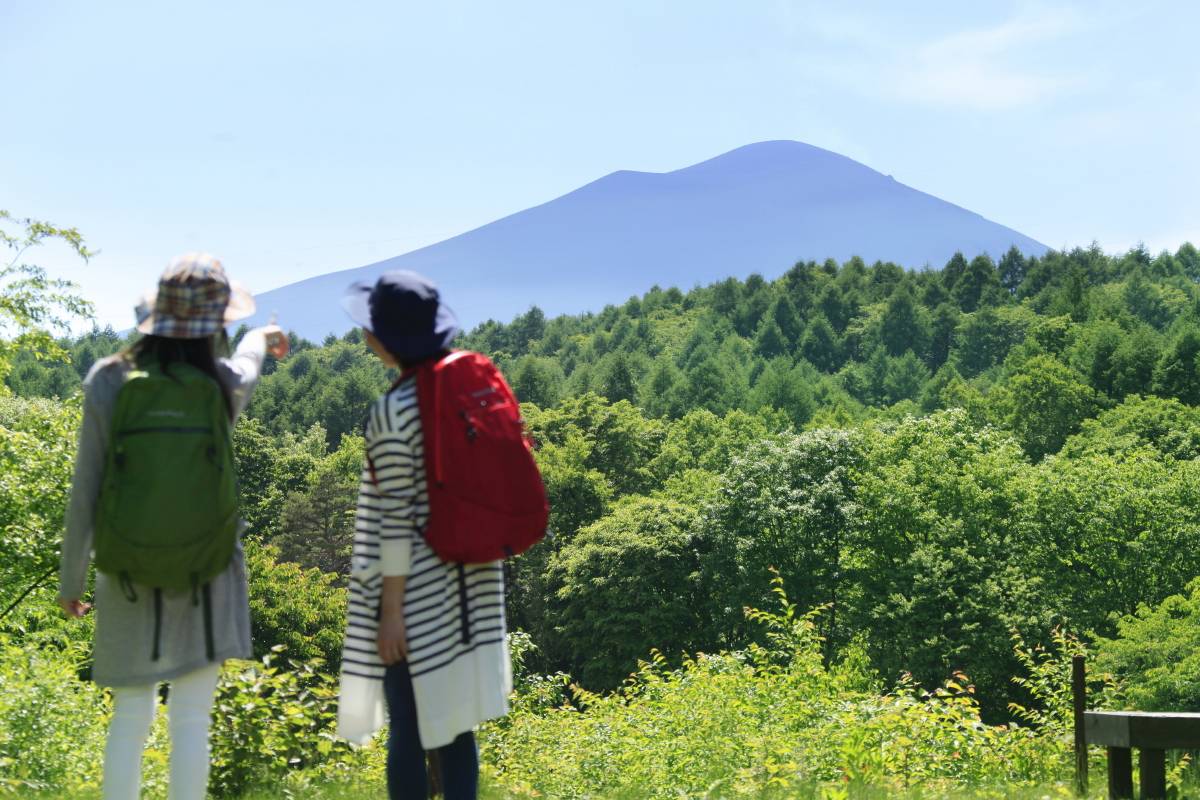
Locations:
(406, 775)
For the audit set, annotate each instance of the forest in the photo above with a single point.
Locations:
(830, 534)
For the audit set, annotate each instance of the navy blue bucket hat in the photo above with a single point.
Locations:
(403, 311)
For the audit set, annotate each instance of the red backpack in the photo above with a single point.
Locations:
(486, 496)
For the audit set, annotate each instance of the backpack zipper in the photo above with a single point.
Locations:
(165, 429)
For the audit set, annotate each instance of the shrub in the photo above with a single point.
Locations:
(52, 725)
(270, 721)
(770, 721)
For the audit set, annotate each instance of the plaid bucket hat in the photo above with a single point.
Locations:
(195, 299)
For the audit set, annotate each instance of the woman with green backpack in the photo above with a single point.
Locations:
(154, 506)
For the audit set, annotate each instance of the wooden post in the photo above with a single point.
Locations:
(1152, 780)
(433, 771)
(1079, 696)
(1120, 773)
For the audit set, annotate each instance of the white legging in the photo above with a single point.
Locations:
(189, 709)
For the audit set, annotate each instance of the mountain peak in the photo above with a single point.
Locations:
(757, 208)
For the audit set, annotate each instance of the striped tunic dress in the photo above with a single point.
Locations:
(454, 614)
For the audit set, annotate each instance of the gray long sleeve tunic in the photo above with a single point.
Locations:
(124, 641)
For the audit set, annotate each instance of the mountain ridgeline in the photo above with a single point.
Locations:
(754, 209)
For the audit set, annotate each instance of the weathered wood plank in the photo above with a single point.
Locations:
(1155, 731)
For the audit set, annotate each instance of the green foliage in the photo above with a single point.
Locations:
(317, 524)
(1165, 425)
(52, 725)
(37, 444)
(1178, 373)
(538, 380)
(276, 727)
(702, 440)
(787, 504)
(274, 720)
(1052, 482)
(1155, 655)
(626, 584)
(620, 441)
(30, 300)
(771, 721)
(330, 386)
(1109, 533)
(302, 610)
(1044, 402)
(940, 580)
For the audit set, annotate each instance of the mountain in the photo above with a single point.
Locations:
(759, 208)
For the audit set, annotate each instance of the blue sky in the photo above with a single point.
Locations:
(296, 138)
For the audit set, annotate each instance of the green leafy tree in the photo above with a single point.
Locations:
(984, 339)
(526, 328)
(1111, 532)
(31, 302)
(953, 272)
(538, 380)
(905, 377)
(784, 314)
(1135, 361)
(628, 583)
(37, 448)
(1163, 424)
(975, 284)
(819, 345)
(1178, 373)
(663, 394)
(1012, 269)
(1095, 354)
(259, 498)
(1144, 300)
(903, 326)
(1155, 655)
(702, 440)
(789, 504)
(620, 440)
(940, 581)
(301, 610)
(317, 524)
(783, 386)
(834, 307)
(1046, 401)
(942, 327)
(769, 341)
(617, 378)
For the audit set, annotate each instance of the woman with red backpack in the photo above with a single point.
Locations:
(425, 634)
(153, 497)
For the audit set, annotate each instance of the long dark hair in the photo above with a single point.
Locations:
(199, 353)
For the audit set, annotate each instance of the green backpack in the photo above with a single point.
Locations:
(167, 515)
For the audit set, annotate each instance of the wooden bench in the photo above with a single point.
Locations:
(1153, 734)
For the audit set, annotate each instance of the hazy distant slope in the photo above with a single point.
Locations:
(759, 208)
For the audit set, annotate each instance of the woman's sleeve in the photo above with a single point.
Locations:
(76, 554)
(244, 368)
(395, 469)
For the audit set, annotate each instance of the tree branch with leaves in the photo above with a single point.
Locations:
(33, 305)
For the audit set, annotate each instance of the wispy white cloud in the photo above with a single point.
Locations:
(985, 69)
